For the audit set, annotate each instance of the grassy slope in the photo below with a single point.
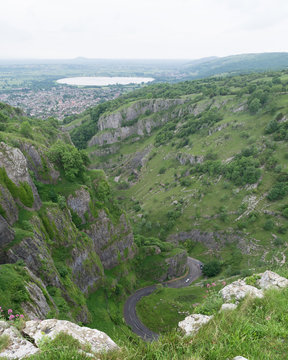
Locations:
(209, 196)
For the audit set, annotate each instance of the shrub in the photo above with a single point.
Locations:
(69, 159)
(212, 268)
(269, 225)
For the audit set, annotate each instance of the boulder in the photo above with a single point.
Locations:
(192, 323)
(238, 290)
(269, 279)
(239, 358)
(98, 340)
(228, 306)
(18, 347)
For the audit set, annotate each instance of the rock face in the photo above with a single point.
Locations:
(184, 158)
(15, 164)
(130, 113)
(79, 203)
(111, 241)
(53, 231)
(6, 233)
(18, 347)
(8, 205)
(269, 279)
(238, 290)
(213, 240)
(176, 265)
(98, 340)
(192, 323)
(38, 162)
(38, 307)
(136, 119)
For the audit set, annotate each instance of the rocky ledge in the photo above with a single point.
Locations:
(19, 347)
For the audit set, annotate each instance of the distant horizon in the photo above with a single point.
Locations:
(138, 59)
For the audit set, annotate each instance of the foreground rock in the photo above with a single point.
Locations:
(18, 347)
(98, 340)
(228, 307)
(238, 290)
(269, 279)
(192, 323)
(239, 358)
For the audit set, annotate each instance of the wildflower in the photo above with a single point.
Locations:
(11, 317)
(10, 311)
(207, 291)
(213, 284)
(208, 285)
(17, 315)
(224, 283)
(21, 316)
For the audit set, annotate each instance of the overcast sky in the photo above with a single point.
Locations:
(151, 29)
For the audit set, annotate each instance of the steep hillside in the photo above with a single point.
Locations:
(60, 227)
(202, 164)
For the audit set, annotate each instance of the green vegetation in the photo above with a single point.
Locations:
(64, 346)
(215, 165)
(68, 159)
(162, 310)
(12, 285)
(4, 342)
(256, 329)
(23, 192)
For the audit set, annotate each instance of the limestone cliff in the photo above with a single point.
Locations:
(65, 244)
(139, 118)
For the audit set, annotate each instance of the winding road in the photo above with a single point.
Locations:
(130, 315)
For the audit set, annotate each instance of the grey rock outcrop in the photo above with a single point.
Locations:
(214, 240)
(34, 252)
(18, 347)
(8, 205)
(136, 119)
(185, 158)
(134, 110)
(176, 265)
(79, 203)
(38, 162)
(15, 164)
(6, 233)
(37, 307)
(192, 323)
(269, 279)
(111, 241)
(238, 290)
(98, 340)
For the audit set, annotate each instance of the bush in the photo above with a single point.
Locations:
(26, 129)
(278, 191)
(269, 225)
(69, 159)
(212, 268)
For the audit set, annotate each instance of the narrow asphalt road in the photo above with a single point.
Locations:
(130, 315)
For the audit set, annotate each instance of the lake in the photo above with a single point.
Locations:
(103, 81)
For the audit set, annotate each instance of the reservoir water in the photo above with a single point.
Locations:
(103, 81)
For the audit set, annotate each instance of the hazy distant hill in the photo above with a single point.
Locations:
(236, 64)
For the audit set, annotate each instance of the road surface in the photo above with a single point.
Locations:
(130, 315)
